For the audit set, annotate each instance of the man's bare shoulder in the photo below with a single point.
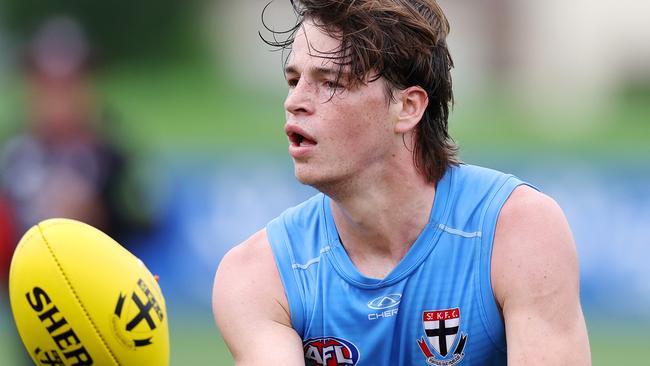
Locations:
(532, 214)
(534, 242)
(526, 211)
(252, 255)
(247, 276)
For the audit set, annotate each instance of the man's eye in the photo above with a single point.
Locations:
(332, 84)
(292, 82)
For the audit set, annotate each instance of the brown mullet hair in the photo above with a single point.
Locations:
(403, 41)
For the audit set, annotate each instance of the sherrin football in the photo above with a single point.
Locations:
(79, 298)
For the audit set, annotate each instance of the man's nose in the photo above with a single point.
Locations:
(300, 99)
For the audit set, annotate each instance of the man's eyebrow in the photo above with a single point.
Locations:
(312, 70)
(290, 70)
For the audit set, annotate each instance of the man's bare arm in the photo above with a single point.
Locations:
(536, 282)
(251, 308)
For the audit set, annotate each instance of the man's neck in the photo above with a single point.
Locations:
(379, 223)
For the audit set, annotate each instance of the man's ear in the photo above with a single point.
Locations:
(414, 101)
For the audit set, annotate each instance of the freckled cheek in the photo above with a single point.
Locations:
(353, 138)
(351, 128)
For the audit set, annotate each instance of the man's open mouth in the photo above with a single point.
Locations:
(298, 139)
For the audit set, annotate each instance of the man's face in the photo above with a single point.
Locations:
(336, 132)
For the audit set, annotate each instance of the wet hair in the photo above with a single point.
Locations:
(403, 41)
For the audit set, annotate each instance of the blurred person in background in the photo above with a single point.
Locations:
(63, 164)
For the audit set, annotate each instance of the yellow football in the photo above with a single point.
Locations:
(79, 298)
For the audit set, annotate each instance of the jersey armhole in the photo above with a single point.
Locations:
(492, 318)
(284, 260)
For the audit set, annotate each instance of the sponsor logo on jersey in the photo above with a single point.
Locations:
(385, 301)
(137, 316)
(330, 351)
(442, 330)
(386, 306)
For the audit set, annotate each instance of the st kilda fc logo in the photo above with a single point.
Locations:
(136, 316)
(330, 351)
(442, 334)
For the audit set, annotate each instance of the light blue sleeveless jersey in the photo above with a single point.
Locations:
(435, 308)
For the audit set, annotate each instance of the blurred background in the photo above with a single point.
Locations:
(160, 121)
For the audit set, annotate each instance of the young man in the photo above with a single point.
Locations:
(406, 257)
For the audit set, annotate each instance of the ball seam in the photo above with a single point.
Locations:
(74, 293)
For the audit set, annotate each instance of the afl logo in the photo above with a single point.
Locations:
(385, 301)
(330, 351)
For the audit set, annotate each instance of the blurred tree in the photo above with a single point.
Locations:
(123, 29)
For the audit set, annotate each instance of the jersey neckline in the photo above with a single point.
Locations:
(419, 251)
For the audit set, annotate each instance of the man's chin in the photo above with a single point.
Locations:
(305, 178)
(310, 178)
(321, 183)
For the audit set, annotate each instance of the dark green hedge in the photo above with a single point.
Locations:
(117, 28)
